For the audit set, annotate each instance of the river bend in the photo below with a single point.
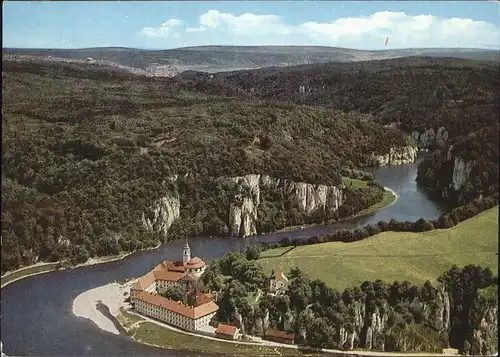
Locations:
(37, 318)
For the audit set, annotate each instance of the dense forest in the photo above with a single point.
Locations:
(396, 317)
(415, 94)
(480, 147)
(87, 150)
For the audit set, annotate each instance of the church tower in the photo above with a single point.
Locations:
(186, 253)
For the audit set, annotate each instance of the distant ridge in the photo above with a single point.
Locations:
(215, 58)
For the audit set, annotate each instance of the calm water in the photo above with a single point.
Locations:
(36, 312)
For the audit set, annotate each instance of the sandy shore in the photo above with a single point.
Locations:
(111, 295)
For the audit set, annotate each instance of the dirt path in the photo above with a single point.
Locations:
(260, 342)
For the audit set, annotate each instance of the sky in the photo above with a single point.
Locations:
(165, 25)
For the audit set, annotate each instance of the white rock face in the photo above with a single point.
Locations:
(243, 217)
(165, 211)
(242, 213)
(429, 137)
(461, 171)
(307, 198)
(397, 156)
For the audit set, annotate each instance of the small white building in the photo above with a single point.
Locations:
(278, 282)
(227, 332)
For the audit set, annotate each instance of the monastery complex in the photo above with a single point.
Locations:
(146, 293)
(147, 298)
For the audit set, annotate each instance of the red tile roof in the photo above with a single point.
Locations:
(178, 307)
(143, 282)
(168, 275)
(272, 332)
(279, 275)
(226, 329)
(204, 298)
(173, 265)
(195, 263)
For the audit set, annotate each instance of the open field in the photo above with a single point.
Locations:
(272, 253)
(354, 182)
(390, 256)
(152, 334)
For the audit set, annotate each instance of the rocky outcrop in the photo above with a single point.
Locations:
(351, 333)
(461, 172)
(367, 328)
(245, 197)
(396, 156)
(163, 212)
(430, 137)
(261, 324)
(243, 210)
(375, 331)
(307, 198)
(485, 332)
(444, 310)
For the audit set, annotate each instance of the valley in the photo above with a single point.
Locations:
(101, 161)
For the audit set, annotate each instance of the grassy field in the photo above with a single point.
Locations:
(272, 253)
(152, 334)
(355, 183)
(391, 256)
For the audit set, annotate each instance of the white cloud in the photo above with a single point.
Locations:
(404, 31)
(196, 29)
(165, 30)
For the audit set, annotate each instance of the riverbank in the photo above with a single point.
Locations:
(390, 197)
(155, 333)
(112, 295)
(47, 267)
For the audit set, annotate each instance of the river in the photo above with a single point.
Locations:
(37, 318)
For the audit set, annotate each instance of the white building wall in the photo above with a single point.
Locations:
(171, 317)
(151, 288)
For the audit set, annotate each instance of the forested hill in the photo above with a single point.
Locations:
(225, 58)
(87, 150)
(418, 95)
(418, 92)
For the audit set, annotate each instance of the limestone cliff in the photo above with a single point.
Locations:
(163, 212)
(461, 172)
(430, 137)
(244, 193)
(367, 328)
(307, 198)
(350, 334)
(261, 324)
(446, 172)
(484, 318)
(396, 156)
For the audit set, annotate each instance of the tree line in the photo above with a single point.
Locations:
(411, 316)
(87, 152)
